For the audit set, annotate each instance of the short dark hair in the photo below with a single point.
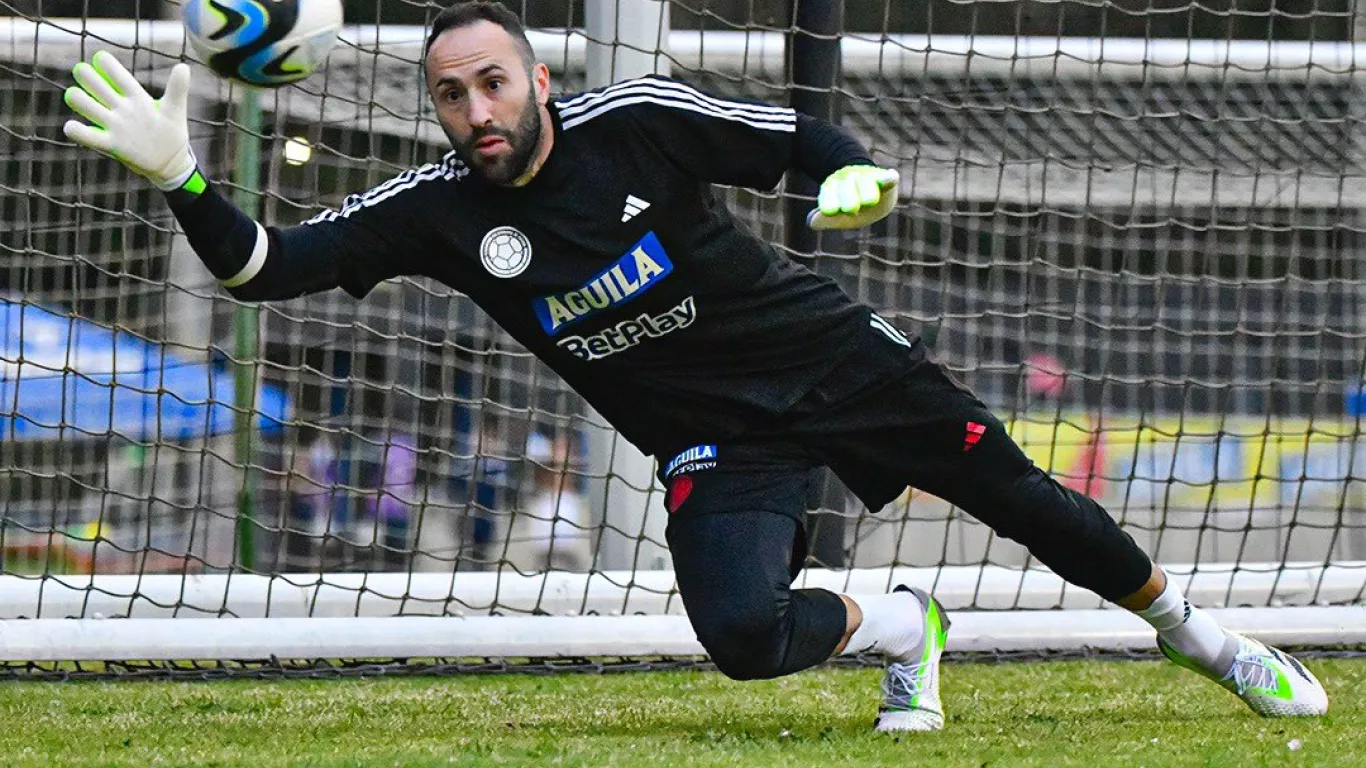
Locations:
(471, 11)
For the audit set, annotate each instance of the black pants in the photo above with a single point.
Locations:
(736, 509)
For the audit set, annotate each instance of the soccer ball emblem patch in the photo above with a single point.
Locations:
(505, 252)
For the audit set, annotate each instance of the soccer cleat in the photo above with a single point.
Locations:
(1270, 683)
(910, 690)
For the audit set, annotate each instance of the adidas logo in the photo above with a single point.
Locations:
(634, 206)
(973, 436)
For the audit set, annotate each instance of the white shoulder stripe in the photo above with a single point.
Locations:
(666, 91)
(888, 330)
(721, 108)
(586, 100)
(404, 181)
(675, 85)
(772, 126)
(450, 167)
(784, 123)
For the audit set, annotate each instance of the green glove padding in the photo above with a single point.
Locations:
(854, 196)
(149, 136)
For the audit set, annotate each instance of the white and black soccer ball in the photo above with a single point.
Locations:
(264, 43)
(505, 252)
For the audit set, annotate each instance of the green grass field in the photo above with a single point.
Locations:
(1074, 713)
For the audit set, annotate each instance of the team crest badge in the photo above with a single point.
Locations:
(505, 252)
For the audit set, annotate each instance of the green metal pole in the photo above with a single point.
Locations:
(246, 326)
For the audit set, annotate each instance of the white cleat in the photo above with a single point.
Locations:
(910, 690)
(1270, 682)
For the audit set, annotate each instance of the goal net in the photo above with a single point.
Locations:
(1142, 251)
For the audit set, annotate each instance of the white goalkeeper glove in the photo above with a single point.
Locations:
(854, 196)
(149, 136)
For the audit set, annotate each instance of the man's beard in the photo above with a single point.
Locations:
(524, 141)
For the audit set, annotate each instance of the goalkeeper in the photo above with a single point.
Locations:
(587, 227)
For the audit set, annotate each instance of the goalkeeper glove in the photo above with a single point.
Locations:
(149, 136)
(854, 196)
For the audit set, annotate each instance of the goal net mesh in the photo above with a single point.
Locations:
(1141, 251)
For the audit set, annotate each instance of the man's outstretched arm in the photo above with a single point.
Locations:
(255, 263)
(750, 144)
(854, 191)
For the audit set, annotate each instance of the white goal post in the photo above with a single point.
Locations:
(618, 614)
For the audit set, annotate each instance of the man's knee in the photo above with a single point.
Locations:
(745, 642)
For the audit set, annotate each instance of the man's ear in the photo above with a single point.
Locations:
(540, 80)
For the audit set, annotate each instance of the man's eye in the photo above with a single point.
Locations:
(495, 85)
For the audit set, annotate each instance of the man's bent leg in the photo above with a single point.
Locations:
(734, 573)
(924, 428)
(1073, 535)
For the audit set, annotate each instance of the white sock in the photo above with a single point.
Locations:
(1191, 631)
(893, 625)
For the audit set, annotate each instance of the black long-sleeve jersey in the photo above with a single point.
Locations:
(616, 265)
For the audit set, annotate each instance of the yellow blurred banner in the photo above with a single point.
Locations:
(1197, 462)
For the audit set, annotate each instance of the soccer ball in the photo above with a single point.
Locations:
(265, 43)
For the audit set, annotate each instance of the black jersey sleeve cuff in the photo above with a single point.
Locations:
(219, 232)
(820, 148)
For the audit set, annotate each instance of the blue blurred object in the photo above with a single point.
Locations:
(60, 374)
(1355, 400)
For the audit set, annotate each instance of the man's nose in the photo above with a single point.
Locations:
(481, 111)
